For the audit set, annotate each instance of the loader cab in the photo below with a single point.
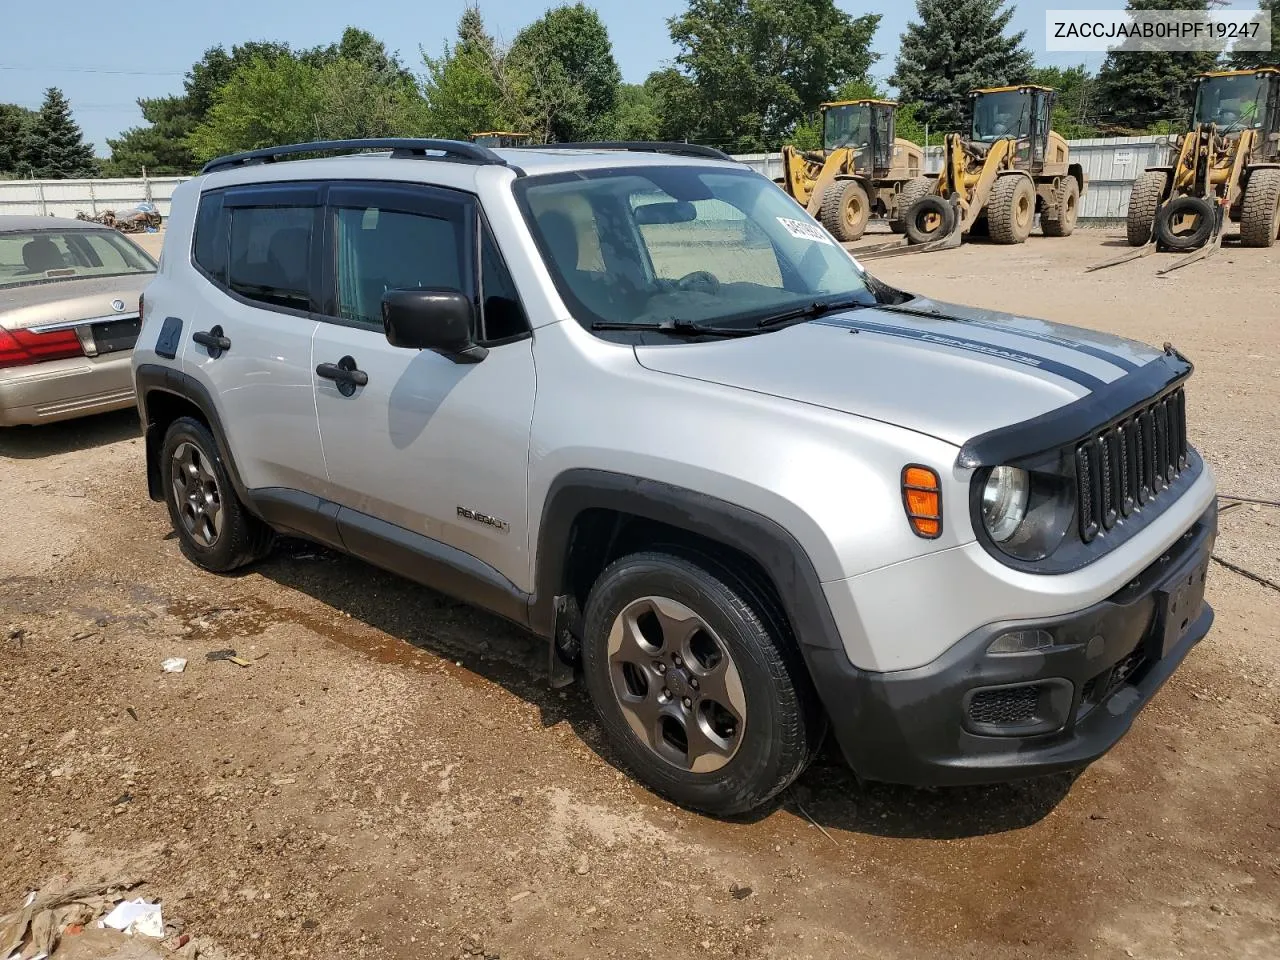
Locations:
(1020, 113)
(1239, 100)
(864, 126)
(501, 138)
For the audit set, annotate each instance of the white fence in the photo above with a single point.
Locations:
(66, 198)
(1111, 165)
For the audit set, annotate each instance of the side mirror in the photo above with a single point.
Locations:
(439, 320)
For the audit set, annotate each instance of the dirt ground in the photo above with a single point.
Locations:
(390, 777)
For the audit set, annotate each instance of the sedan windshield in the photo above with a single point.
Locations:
(40, 256)
(682, 244)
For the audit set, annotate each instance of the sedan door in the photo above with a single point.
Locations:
(424, 446)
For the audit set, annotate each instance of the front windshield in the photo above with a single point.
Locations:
(848, 126)
(1233, 103)
(1000, 115)
(42, 256)
(687, 244)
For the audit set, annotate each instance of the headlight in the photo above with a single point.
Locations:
(1004, 502)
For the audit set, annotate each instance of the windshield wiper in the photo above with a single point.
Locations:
(675, 327)
(811, 310)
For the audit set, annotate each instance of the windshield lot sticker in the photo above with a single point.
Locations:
(805, 231)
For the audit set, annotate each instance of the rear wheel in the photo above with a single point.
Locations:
(1144, 201)
(1185, 223)
(1012, 209)
(911, 193)
(1061, 220)
(697, 682)
(1260, 215)
(214, 529)
(845, 210)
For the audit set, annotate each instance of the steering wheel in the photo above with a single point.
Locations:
(699, 279)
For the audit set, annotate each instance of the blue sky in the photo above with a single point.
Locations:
(105, 56)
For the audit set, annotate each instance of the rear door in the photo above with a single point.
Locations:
(250, 328)
(427, 445)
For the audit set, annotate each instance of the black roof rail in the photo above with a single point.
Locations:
(400, 147)
(644, 146)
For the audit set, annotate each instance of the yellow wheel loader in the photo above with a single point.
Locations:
(994, 181)
(859, 172)
(1227, 167)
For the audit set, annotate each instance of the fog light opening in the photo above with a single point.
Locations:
(1021, 641)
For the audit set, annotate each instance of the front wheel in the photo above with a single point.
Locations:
(697, 682)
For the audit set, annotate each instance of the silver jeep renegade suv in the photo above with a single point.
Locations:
(634, 399)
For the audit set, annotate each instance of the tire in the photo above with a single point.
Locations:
(1178, 207)
(1144, 202)
(929, 219)
(1061, 220)
(214, 529)
(845, 210)
(1011, 211)
(767, 729)
(1260, 215)
(912, 192)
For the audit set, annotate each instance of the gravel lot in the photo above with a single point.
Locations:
(390, 777)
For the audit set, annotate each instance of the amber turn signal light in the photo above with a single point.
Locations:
(922, 497)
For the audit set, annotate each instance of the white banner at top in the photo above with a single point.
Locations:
(1178, 31)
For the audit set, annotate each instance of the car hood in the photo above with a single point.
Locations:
(948, 371)
(59, 301)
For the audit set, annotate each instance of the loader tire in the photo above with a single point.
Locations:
(1144, 202)
(1061, 220)
(845, 210)
(1260, 215)
(912, 192)
(1011, 211)
(1172, 212)
(930, 218)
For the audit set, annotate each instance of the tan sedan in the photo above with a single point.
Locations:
(68, 318)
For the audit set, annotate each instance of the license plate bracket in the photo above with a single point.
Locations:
(1180, 600)
(116, 335)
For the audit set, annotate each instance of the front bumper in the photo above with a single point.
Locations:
(62, 389)
(974, 717)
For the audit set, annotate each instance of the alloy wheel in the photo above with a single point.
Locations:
(196, 494)
(677, 684)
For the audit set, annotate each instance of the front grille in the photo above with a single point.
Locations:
(1004, 707)
(1129, 463)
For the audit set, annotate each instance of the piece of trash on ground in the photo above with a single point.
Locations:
(136, 917)
(229, 655)
(35, 928)
(174, 665)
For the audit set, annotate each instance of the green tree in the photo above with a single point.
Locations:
(266, 102)
(1071, 108)
(569, 78)
(636, 115)
(1249, 59)
(161, 146)
(957, 46)
(1138, 87)
(52, 146)
(468, 88)
(756, 68)
(14, 121)
(675, 101)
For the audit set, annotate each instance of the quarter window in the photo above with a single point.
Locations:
(504, 317)
(270, 253)
(210, 248)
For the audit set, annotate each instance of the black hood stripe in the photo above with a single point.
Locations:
(1125, 364)
(1086, 380)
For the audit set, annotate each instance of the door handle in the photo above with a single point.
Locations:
(345, 374)
(212, 340)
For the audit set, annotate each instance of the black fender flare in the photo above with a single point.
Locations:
(766, 542)
(151, 378)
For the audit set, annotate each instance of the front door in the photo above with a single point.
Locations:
(437, 448)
